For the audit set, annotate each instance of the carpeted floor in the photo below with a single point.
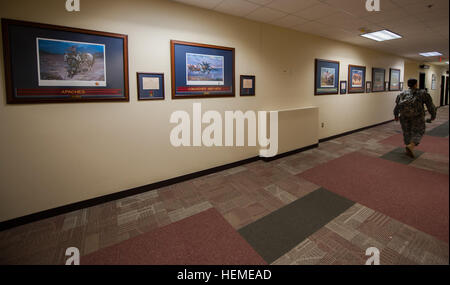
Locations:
(416, 197)
(203, 239)
(431, 144)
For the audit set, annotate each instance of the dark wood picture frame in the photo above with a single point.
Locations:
(343, 91)
(247, 91)
(206, 93)
(374, 71)
(352, 89)
(391, 71)
(317, 77)
(60, 94)
(139, 89)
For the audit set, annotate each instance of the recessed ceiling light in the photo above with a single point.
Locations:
(432, 53)
(380, 36)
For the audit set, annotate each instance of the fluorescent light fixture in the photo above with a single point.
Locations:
(383, 35)
(429, 54)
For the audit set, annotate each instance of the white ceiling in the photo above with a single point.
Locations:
(423, 29)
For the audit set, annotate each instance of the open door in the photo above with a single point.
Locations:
(422, 81)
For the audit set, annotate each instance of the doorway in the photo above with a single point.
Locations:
(422, 81)
(446, 90)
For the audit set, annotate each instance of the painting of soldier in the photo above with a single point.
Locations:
(68, 63)
(327, 77)
(357, 78)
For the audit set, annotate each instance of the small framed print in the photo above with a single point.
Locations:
(368, 87)
(401, 86)
(247, 85)
(150, 86)
(356, 78)
(343, 87)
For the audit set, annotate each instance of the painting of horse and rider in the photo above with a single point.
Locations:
(68, 63)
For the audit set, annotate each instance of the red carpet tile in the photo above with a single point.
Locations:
(203, 239)
(428, 143)
(413, 196)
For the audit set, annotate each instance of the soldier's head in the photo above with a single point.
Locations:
(412, 83)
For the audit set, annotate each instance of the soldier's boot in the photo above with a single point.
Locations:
(410, 150)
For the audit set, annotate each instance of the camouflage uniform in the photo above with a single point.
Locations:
(413, 119)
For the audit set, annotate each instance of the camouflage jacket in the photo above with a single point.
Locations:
(421, 97)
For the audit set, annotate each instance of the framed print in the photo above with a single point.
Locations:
(247, 84)
(356, 78)
(394, 79)
(326, 78)
(343, 87)
(201, 71)
(433, 81)
(51, 64)
(378, 79)
(150, 86)
(368, 87)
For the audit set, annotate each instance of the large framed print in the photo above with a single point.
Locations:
(201, 71)
(378, 79)
(394, 79)
(326, 77)
(51, 64)
(150, 86)
(356, 79)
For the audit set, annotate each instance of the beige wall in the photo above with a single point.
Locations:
(56, 154)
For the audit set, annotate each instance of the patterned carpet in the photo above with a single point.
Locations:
(245, 195)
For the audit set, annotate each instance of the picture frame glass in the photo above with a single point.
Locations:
(51, 64)
(326, 77)
(247, 85)
(394, 79)
(150, 86)
(357, 79)
(378, 79)
(200, 70)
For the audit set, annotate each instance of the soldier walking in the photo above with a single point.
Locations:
(409, 106)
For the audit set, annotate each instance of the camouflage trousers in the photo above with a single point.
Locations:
(413, 129)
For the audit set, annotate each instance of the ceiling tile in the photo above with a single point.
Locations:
(345, 21)
(289, 21)
(386, 16)
(291, 6)
(260, 2)
(317, 11)
(210, 4)
(236, 7)
(358, 7)
(266, 15)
